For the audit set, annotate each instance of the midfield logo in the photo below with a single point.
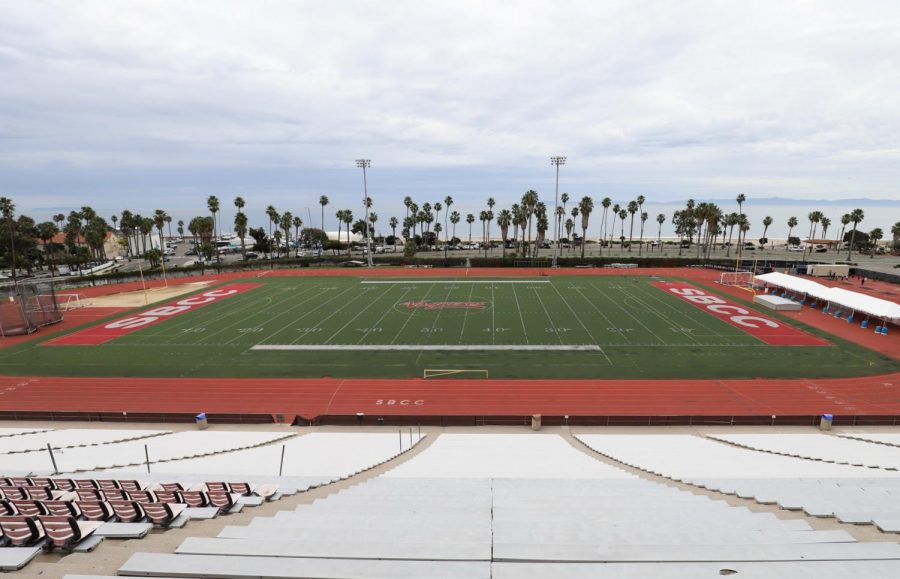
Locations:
(424, 305)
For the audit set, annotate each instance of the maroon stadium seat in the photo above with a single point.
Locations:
(127, 511)
(173, 497)
(220, 499)
(162, 514)
(19, 531)
(142, 497)
(66, 532)
(38, 493)
(90, 495)
(63, 484)
(63, 509)
(30, 508)
(95, 510)
(13, 493)
(195, 498)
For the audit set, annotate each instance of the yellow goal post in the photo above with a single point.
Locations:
(456, 372)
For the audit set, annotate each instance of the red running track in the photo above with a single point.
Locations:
(869, 396)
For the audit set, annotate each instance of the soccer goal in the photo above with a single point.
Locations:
(742, 279)
(68, 302)
(454, 373)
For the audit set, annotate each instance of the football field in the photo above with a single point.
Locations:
(542, 327)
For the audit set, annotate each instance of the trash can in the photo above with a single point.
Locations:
(825, 422)
(536, 422)
(202, 424)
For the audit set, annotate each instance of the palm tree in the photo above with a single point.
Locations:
(490, 204)
(767, 221)
(528, 204)
(616, 208)
(181, 229)
(574, 214)
(348, 219)
(454, 219)
(272, 214)
(298, 223)
(470, 219)
(212, 203)
(8, 209)
(323, 201)
(640, 201)
(814, 218)
(731, 220)
(856, 216)
(661, 218)
(826, 223)
(622, 215)
(585, 207)
(540, 212)
(240, 228)
(339, 214)
(570, 225)
(448, 201)
(114, 220)
(740, 201)
(632, 209)
(845, 220)
(792, 223)
(560, 215)
(407, 201)
(286, 221)
(169, 224)
(392, 222)
(895, 235)
(159, 220)
(503, 220)
(641, 243)
(874, 237)
(437, 211)
(482, 216)
(604, 224)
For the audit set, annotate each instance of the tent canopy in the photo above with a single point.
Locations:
(851, 300)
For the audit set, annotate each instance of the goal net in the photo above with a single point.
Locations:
(25, 307)
(68, 301)
(737, 278)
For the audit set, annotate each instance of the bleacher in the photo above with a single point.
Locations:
(75, 512)
(488, 506)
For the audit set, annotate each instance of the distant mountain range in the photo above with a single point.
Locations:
(860, 201)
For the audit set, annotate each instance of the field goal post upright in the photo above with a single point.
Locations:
(448, 373)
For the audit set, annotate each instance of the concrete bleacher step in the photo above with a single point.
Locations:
(376, 547)
(239, 567)
(14, 558)
(600, 553)
(681, 570)
(124, 530)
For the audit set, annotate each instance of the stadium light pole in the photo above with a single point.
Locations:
(363, 164)
(556, 162)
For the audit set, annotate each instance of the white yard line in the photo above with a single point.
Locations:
(377, 324)
(273, 304)
(428, 347)
(359, 313)
(466, 315)
(281, 314)
(410, 316)
(294, 321)
(635, 318)
(577, 317)
(328, 317)
(549, 317)
(521, 317)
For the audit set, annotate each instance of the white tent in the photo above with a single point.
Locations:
(858, 302)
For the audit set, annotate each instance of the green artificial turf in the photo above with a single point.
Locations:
(641, 331)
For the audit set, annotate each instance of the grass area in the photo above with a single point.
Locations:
(634, 329)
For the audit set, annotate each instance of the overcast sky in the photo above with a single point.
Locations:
(157, 104)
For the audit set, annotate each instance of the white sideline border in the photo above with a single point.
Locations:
(429, 347)
(428, 281)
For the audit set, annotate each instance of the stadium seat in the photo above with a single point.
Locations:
(30, 508)
(171, 487)
(142, 497)
(63, 509)
(162, 514)
(90, 495)
(127, 511)
(173, 497)
(38, 493)
(13, 493)
(7, 508)
(63, 484)
(96, 510)
(195, 498)
(66, 532)
(19, 531)
(85, 484)
(221, 499)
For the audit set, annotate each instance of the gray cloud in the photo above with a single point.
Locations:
(146, 104)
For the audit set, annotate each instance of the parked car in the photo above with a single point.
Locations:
(820, 248)
(796, 248)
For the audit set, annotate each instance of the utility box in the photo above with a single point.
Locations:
(536, 422)
(202, 424)
(825, 422)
